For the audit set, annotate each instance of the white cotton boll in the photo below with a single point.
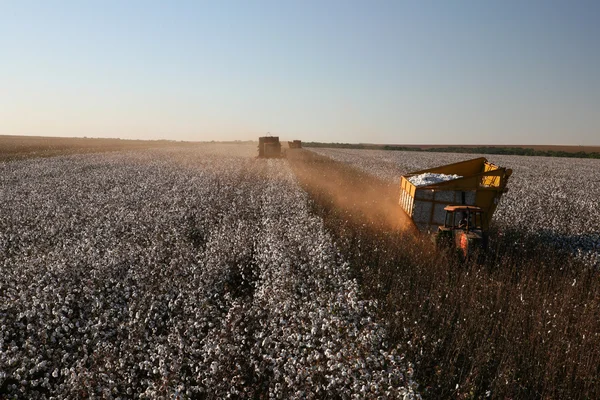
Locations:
(127, 238)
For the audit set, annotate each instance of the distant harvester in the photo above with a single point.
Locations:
(296, 144)
(269, 147)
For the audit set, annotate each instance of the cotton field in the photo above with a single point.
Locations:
(556, 199)
(195, 273)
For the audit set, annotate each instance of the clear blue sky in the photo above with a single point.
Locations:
(470, 72)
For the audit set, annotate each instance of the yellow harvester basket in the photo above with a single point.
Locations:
(481, 184)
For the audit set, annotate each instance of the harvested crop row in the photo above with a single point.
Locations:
(176, 272)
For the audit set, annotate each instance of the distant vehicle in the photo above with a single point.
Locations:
(296, 144)
(269, 147)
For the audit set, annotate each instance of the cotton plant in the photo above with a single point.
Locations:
(178, 273)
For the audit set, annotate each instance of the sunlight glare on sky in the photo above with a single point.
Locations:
(404, 72)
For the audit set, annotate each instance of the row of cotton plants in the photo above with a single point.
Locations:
(555, 198)
(176, 274)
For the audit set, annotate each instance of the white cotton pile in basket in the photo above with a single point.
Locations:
(429, 178)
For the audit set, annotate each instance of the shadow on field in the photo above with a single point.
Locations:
(526, 324)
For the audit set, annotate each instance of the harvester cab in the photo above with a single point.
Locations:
(465, 228)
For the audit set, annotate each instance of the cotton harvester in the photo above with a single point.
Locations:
(296, 144)
(455, 202)
(269, 147)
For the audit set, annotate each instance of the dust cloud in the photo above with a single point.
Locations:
(360, 196)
